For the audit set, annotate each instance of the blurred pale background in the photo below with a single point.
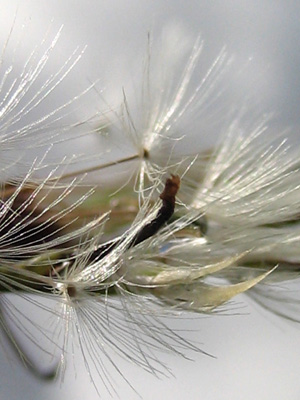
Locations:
(258, 356)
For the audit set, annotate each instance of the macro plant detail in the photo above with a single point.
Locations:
(185, 232)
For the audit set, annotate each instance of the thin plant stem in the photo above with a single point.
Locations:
(96, 168)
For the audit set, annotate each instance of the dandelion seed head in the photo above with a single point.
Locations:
(161, 108)
(113, 292)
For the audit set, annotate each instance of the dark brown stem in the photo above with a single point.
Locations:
(166, 211)
(168, 197)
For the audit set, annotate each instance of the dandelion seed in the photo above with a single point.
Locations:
(151, 126)
(246, 197)
(26, 122)
(89, 313)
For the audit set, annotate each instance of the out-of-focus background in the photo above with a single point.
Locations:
(257, 355)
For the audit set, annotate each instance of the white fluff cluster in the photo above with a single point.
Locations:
(235, 227)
